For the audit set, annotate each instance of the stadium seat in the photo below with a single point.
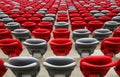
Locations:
(100, 34)
(61, 33)
(116, 32)
(80, 33)
(3, 68)
(21, 34)
(86, 46)
(61, 46)
(11, 47)
(5, 33)
(61, 24)
(42, 34)
(23, 66)
(59, 66)
(36, 47)
(111, 25)
(110, 46)
(46, 25)
(117, 70)
(29, 25)
(96, 66)
(93, 25)
(13, 25)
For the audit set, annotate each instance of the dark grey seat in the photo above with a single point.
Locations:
(111, 25)
(7, 20)
(13, 25)
(41, 12)
(21, 34)
(62, 12)
(29, 8)
(97, 15)
(114, 6)
(59, 66)
(86, 46)
(43, 9)
(118, 14)
(23, 66)
(80, 33)
(15, 10)
(97, 6)
(100, 34)
(105, 11)
(1, 12)
(36, 47)
(3, 16)
(61, 25)
(50, 15)
(94, 12)
(116, 18)
(48, 19)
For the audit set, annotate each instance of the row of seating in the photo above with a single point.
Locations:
(60, 47)
(92, 66)
(99, 34)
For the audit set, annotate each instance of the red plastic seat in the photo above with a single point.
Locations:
(88, 19)
(20, 20)
(104, 18)
(116, 32)
(61, 33)
(83, 11)
(42, 34)
(61, 46)
(117, 67)
(93, 25)
(65, 19)
(34, 19)
(62, 15)
(96, 66)
(46, 25)
(14, 15)
(2, 26)
(86, 15)
(110, 46)
(75, 15)
(29, 25)
(116, 11)
(73, 11)
(30, 12)
(5, 33)
(109, 8)
(76, 19)
(11, 47)
(26, 15)
(38, 15)
(2, 68)
(111, 14)
(78, 25)
(51, 12)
